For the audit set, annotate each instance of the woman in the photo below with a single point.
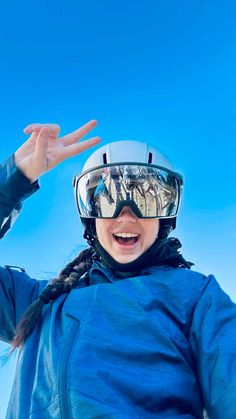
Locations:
(127, 330)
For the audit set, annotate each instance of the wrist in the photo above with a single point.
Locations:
(14, 184)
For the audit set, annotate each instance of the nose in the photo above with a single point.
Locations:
(126, 214)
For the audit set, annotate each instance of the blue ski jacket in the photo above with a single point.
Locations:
(158, 345)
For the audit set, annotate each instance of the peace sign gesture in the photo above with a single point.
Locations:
(45, 150)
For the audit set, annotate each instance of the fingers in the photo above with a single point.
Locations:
(78, 148)
(79, 133)
(53, 129)
(42, 147)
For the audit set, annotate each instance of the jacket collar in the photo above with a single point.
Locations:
(80, 300)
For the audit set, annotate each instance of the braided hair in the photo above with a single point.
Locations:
(67, 279)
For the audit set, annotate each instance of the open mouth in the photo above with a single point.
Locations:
(126, 239)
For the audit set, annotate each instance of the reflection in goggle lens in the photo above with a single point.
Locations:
(153, 191)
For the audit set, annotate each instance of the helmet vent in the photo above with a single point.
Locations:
(149, 158)
(104, 156)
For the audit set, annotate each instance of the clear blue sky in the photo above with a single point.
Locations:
(157, 71)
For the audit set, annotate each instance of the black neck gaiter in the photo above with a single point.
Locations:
(162, 252)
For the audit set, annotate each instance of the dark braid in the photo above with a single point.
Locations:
(68, 279)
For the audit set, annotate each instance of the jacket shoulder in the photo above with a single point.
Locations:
(185, 275)
(180, 284)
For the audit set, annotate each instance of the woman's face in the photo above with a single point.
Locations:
(126, 237)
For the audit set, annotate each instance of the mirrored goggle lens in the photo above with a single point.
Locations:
(151, 191)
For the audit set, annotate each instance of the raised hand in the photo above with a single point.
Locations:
(45, 150)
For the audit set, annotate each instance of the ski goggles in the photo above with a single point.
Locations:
(150, 191)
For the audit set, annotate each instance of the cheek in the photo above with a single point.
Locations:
(99, 229)
(151, 231)
(102, 230)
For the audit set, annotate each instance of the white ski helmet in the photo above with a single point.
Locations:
(128, 173)
(127, 151)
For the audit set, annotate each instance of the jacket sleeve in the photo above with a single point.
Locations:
(213, 340)
(14, 188)
(17, 292)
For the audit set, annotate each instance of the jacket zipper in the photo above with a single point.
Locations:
(62, 371)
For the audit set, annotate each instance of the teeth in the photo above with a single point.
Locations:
(125, 235)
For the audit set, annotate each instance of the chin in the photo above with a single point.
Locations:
(125, 259)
